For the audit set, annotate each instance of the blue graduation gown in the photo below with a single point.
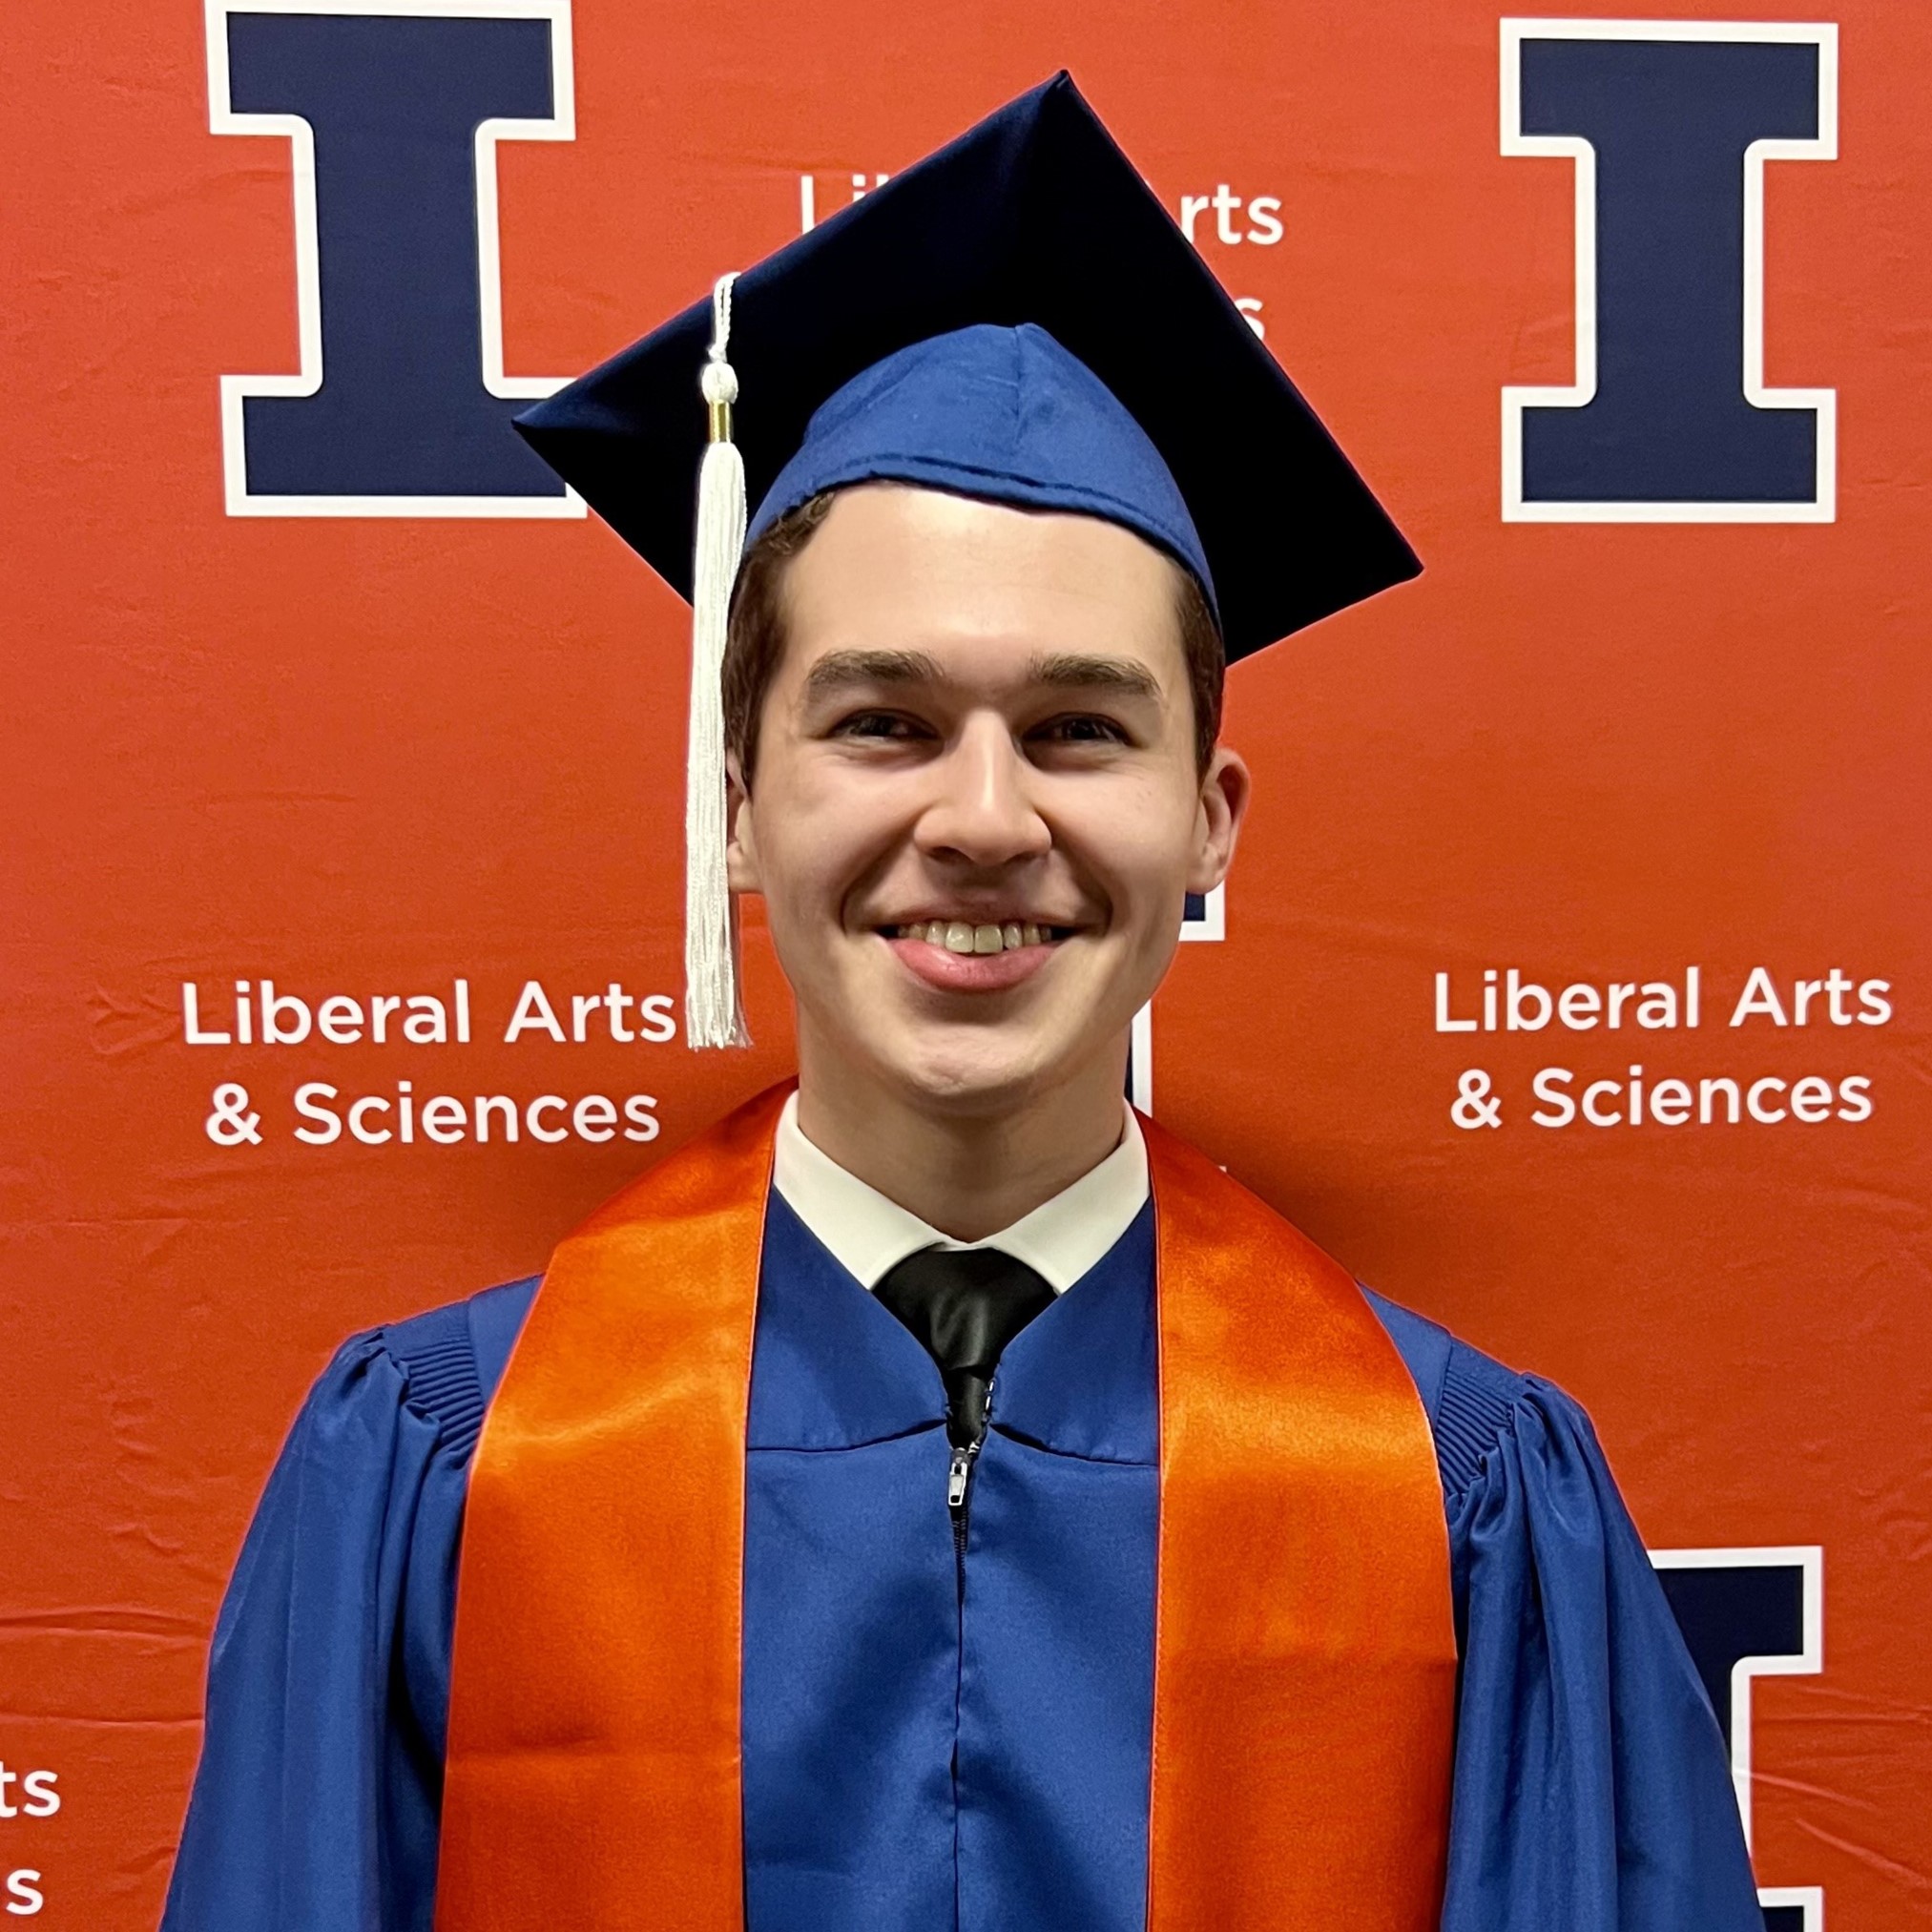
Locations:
(931, 1741)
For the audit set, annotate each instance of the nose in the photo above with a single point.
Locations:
(981, 812)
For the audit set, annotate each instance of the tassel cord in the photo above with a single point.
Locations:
(714, 1013)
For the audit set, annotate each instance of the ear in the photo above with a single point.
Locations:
(741, 833)
(1225, 789)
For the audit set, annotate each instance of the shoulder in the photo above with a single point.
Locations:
(450, 1359)
(1472, 1401)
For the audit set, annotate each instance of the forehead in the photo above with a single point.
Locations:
(975, 583)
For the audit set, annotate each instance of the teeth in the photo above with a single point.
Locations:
(958, 935)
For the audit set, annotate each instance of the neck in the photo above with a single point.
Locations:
(967, 1173)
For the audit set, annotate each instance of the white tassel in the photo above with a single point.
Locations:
(713, 1011)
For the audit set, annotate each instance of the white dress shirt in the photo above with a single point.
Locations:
(869, 1234)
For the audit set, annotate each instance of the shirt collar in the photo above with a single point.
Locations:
(868, 1233)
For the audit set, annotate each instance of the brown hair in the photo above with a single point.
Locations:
(756, 639)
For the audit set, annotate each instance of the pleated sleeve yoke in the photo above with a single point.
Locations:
(1591, 1785)
(316, 1803)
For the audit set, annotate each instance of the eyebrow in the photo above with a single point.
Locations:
(1066, 671)
(838, 670)
(1123, 676)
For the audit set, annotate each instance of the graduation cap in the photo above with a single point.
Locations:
(1016, 317)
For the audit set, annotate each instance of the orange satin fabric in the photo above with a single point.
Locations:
(1305, 1643)
(592, 1779)
(1304, 1656)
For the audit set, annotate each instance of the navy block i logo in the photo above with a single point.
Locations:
(393, 109)
(1745, 1615)
(1669, 126)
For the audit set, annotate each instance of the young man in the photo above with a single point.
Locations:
(936, 1497)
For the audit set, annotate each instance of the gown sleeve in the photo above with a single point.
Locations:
(315, 1806)
(1591, 1787)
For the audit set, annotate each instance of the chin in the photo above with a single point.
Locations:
(980, 1076)
(988, 1067)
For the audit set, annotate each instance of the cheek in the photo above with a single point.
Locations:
(816, 838)
(1141, 839)
(793, 862)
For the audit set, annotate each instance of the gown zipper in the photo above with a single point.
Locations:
(958, 1477)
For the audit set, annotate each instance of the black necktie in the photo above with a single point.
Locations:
(964, 1304)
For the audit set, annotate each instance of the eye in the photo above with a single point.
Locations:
(888, 726)
(1081, 728)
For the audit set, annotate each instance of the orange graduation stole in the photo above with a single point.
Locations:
(1304, 1655)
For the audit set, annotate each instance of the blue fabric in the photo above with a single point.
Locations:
(1591, 1789)
(995, 1750)
(908, 1763)
(1006, 414)
(851, 1625)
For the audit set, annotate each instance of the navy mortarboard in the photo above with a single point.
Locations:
(1016, 317)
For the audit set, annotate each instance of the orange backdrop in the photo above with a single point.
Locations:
(358, 755)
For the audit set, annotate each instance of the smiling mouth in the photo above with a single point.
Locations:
(967, 936)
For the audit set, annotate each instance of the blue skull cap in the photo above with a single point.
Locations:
(1003, 414)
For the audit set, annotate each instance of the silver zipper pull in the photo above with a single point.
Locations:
(956, 1479)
